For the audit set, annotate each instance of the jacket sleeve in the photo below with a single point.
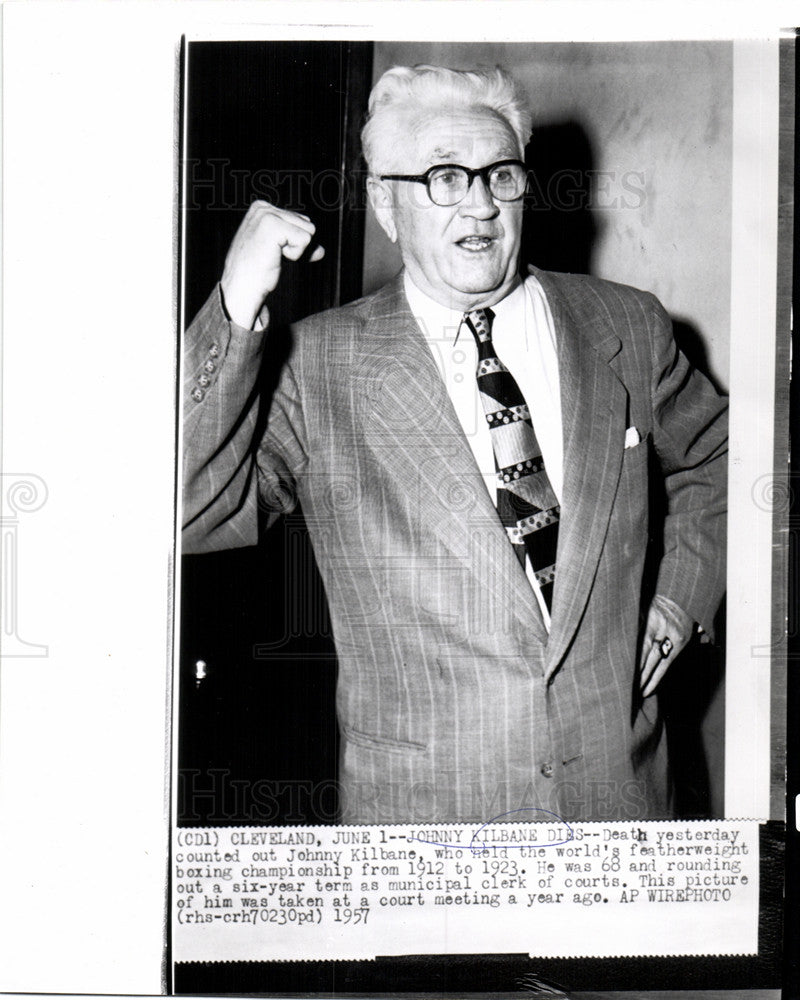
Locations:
(690, 436)
(238, 446)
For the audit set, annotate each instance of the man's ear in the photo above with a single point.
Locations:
(380, 197)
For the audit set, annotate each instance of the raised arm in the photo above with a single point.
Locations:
(222, 361)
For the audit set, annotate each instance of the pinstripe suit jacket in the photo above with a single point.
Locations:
(453, 701)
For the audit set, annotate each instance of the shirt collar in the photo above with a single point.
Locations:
(434, 318)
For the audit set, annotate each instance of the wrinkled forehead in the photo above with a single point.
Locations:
(472, 136)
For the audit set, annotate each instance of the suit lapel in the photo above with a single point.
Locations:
(412, 424)
(593, 407)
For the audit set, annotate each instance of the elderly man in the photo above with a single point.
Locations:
(473, 451)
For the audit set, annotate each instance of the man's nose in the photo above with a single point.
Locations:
(478, 200)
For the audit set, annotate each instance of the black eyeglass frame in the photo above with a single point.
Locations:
(482, 172)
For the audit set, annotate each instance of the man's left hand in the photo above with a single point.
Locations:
(668, 630)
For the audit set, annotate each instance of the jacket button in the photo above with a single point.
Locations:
(547, 769)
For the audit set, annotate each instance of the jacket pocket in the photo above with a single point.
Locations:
(370, 742)
(635, 466)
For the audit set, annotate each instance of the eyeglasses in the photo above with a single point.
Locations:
(448, 183)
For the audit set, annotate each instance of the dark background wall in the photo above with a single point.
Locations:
(277, 121)
(257, 734)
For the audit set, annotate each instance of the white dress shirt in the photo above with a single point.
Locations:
(524, 339)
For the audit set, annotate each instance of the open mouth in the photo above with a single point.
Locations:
(475, 243)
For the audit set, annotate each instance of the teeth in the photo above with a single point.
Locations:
(475, 242)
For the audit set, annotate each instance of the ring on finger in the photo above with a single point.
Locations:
(665, 646)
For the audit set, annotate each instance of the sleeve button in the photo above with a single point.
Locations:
(547, 769)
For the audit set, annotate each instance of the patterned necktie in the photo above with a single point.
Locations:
(527, 506)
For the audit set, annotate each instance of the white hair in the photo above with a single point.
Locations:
(405, 92)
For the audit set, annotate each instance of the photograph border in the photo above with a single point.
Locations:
(765, 797)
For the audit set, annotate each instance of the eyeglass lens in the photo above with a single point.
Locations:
(449, 185)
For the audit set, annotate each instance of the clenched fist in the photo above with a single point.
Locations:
(253, 264)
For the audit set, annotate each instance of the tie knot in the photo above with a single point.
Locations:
(480, 323)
